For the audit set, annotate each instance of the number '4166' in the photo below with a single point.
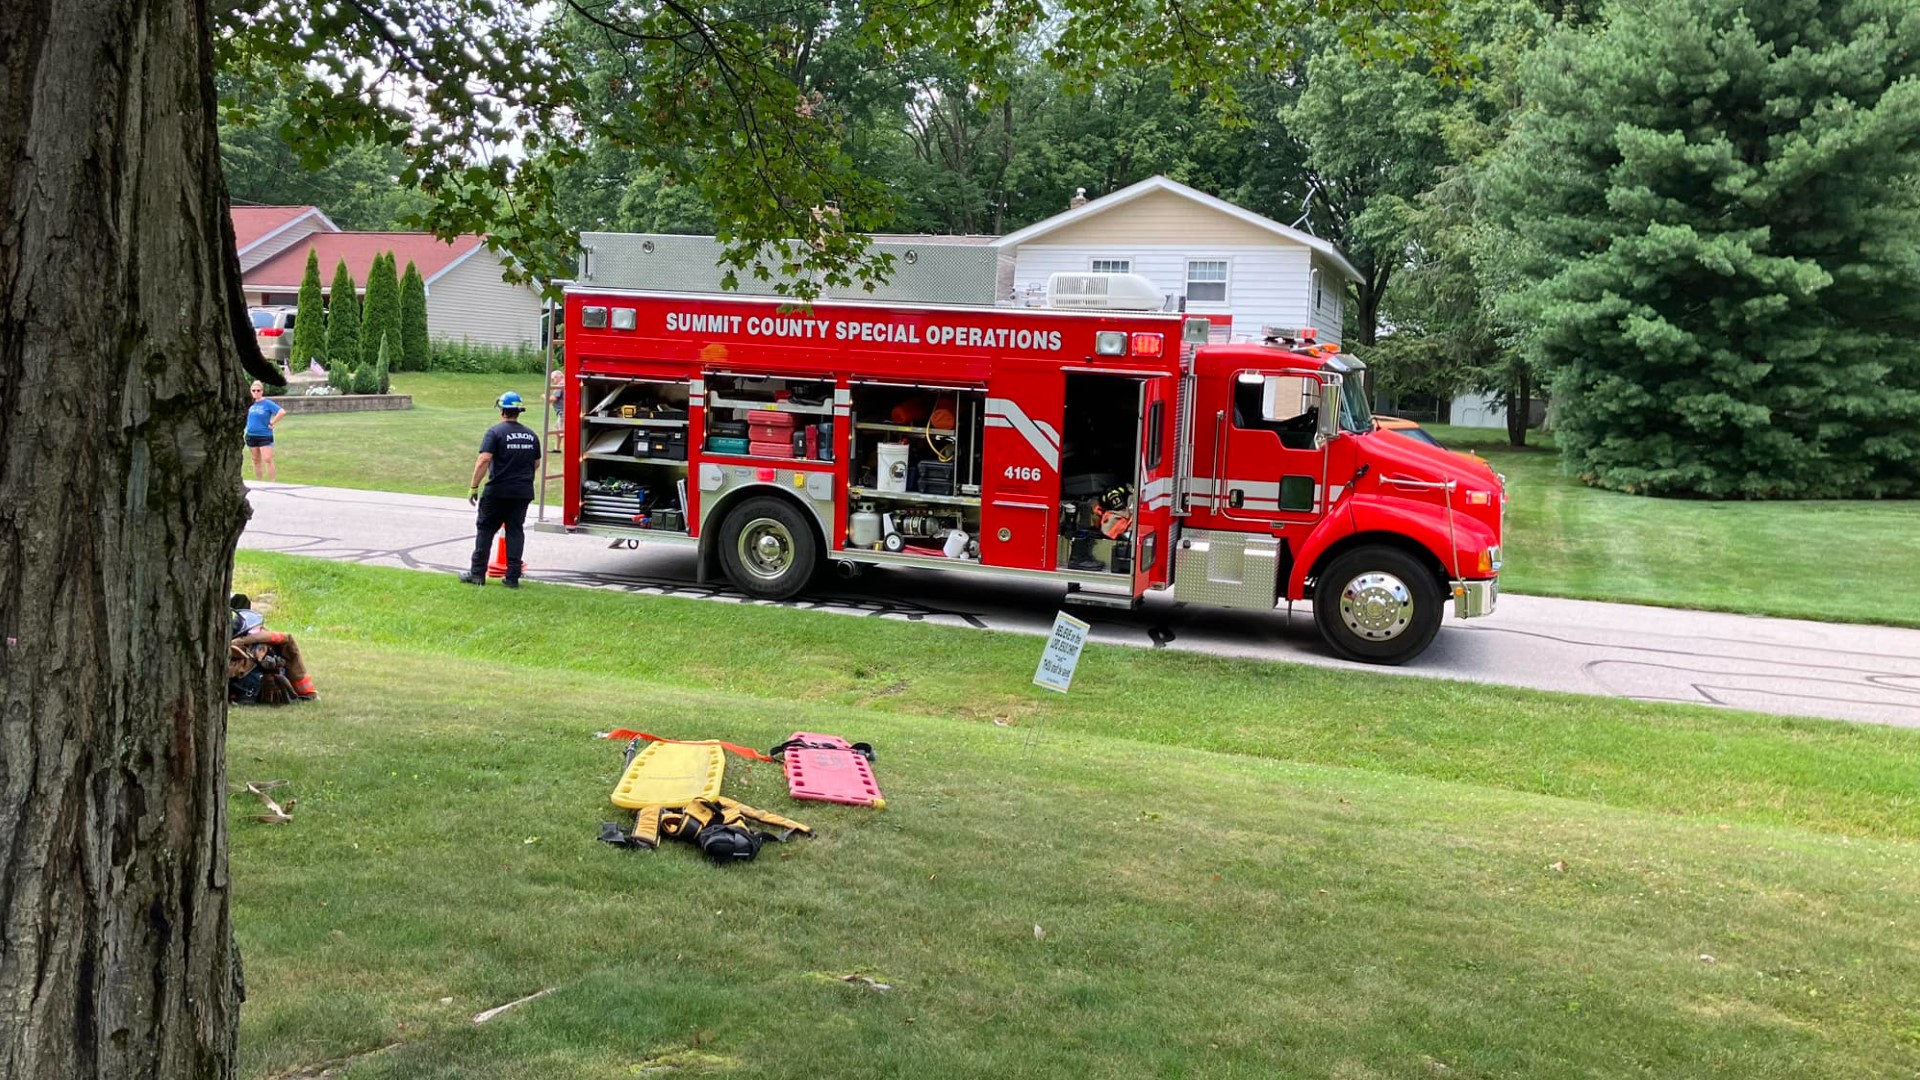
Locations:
(1023, 472)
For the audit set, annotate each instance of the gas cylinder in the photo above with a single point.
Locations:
(864, 526)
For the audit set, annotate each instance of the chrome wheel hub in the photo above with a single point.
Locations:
(1377, 606)
(766, 548)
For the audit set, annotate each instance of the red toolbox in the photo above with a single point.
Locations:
(781, 448)
(768, 426)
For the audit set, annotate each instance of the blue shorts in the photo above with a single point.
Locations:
(254, 442)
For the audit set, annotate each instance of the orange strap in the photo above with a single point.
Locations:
(745, 752)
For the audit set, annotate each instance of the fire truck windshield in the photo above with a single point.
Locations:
(1355, 417)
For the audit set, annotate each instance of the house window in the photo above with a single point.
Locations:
(1319, 300)
(1206, 281)
(1113, 266)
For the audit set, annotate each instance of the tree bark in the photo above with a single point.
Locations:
(1369, 292)
(1519, 409)
(121, 390)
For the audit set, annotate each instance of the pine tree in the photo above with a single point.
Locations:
(381, 316)
(416, 349)
(382, 367)
(310, 319)
(1716, 203)
(343, 320)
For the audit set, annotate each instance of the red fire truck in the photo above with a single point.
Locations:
(1112, 452)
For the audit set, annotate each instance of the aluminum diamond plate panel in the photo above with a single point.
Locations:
(1226, 569)
(927, 272)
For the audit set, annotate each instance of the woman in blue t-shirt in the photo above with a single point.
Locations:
(261, 417)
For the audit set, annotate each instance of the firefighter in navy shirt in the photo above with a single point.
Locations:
(509, 454)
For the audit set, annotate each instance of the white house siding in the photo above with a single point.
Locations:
(1478, 411)
(1159, 218)
(1267, 283)
(471, 303)
(1326, 298)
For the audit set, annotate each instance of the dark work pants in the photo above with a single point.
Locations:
(496, 513)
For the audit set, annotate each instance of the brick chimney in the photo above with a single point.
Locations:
(1079, 199)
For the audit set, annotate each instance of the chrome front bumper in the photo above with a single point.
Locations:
(1472, 599)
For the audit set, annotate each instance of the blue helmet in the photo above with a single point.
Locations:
(510, 401)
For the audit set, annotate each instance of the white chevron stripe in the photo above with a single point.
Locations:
(1011, 410)
(1002, 412)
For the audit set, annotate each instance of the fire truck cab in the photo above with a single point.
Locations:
(1114, 453)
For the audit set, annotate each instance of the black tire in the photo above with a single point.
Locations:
(767, 548)
(1377, 605)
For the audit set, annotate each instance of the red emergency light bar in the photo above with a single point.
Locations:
(1306, 335)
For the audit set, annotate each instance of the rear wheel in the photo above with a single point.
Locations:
(1378, 605)
(767, 549)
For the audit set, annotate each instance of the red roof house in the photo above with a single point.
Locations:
(261, 232)
(467, 299)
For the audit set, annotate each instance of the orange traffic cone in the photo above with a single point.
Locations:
(498, 567)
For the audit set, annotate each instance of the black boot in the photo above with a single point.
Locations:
(468, 577)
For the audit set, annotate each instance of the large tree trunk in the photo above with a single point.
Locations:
(1519, 408)
(1369, 292)
(121, 392)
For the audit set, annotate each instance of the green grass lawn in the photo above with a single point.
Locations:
(428, 449)
(1187, 867)
(1852, 561)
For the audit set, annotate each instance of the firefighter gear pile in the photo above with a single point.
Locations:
(673, 787)
(725, 830)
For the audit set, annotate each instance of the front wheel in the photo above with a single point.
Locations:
(1378, 605)
(767, 549)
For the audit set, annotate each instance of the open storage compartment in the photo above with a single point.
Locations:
(776, 419)
(914, 478)
(633, 461)
(1098, 474)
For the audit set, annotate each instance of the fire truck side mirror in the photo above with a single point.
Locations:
(1329, 418)
(1196, 331)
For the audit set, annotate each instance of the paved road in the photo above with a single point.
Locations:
(1863, 673)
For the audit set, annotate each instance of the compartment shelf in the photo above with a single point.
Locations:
(630, 459)
(907, 429)
(783, 462)
(913, 496)
(604, 519)
(635, 421)
(715, 401)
